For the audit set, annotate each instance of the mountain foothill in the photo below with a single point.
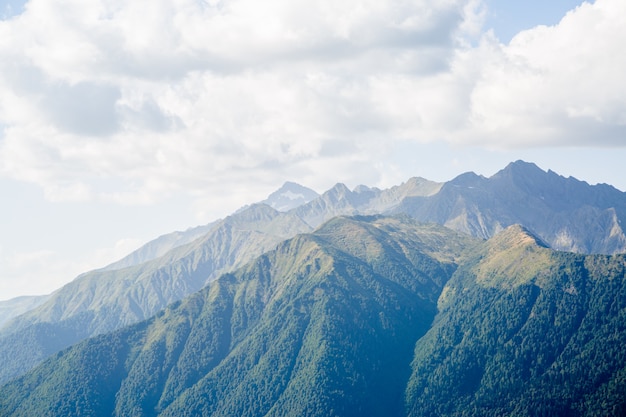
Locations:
(475, 297)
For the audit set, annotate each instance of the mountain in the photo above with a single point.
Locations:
(568, 214)
(104, 300)
(368, 316)
(170, 268)
(524, 330)
(151, 250)
(290, 196)
(295, 331)
(340, 200)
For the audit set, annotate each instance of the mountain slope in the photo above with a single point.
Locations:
(287, 197)
(323, 325)
(523, 330)
(105, 300)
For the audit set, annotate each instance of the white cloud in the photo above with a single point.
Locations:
(166, 95)
(559, 85)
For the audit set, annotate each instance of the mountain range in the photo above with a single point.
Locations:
(379, 316)
(554, 213)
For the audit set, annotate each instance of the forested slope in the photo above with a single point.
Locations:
(523, 330)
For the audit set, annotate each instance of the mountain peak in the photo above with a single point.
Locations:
(418, 186)
(500, 264)
(290, 196)
(339, 188)
(514, 236)
(359, 189)
(466, 179)
(521, 168)
(521, 164)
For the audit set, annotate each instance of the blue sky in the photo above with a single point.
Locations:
(507, 17)
(121, 121)
(11, 8)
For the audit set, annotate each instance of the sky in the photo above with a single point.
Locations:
(124, 120)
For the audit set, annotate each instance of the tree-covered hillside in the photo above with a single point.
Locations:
(323, 325)
(525, 331)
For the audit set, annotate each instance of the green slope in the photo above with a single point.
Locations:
(523, 330)
(323, 325)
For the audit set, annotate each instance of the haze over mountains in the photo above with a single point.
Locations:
(396, 259)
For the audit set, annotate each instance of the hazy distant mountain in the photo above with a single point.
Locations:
(287, 197)
(568, 214)
(290, 196)
(366, 316)
(10, 309)
(339, 200)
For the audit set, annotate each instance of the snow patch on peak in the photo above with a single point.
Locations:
(290, 196)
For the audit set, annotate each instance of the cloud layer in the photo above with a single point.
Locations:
(134, 101)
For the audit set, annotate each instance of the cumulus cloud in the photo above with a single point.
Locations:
(559, 85)
(85, 108)
(164, 95)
